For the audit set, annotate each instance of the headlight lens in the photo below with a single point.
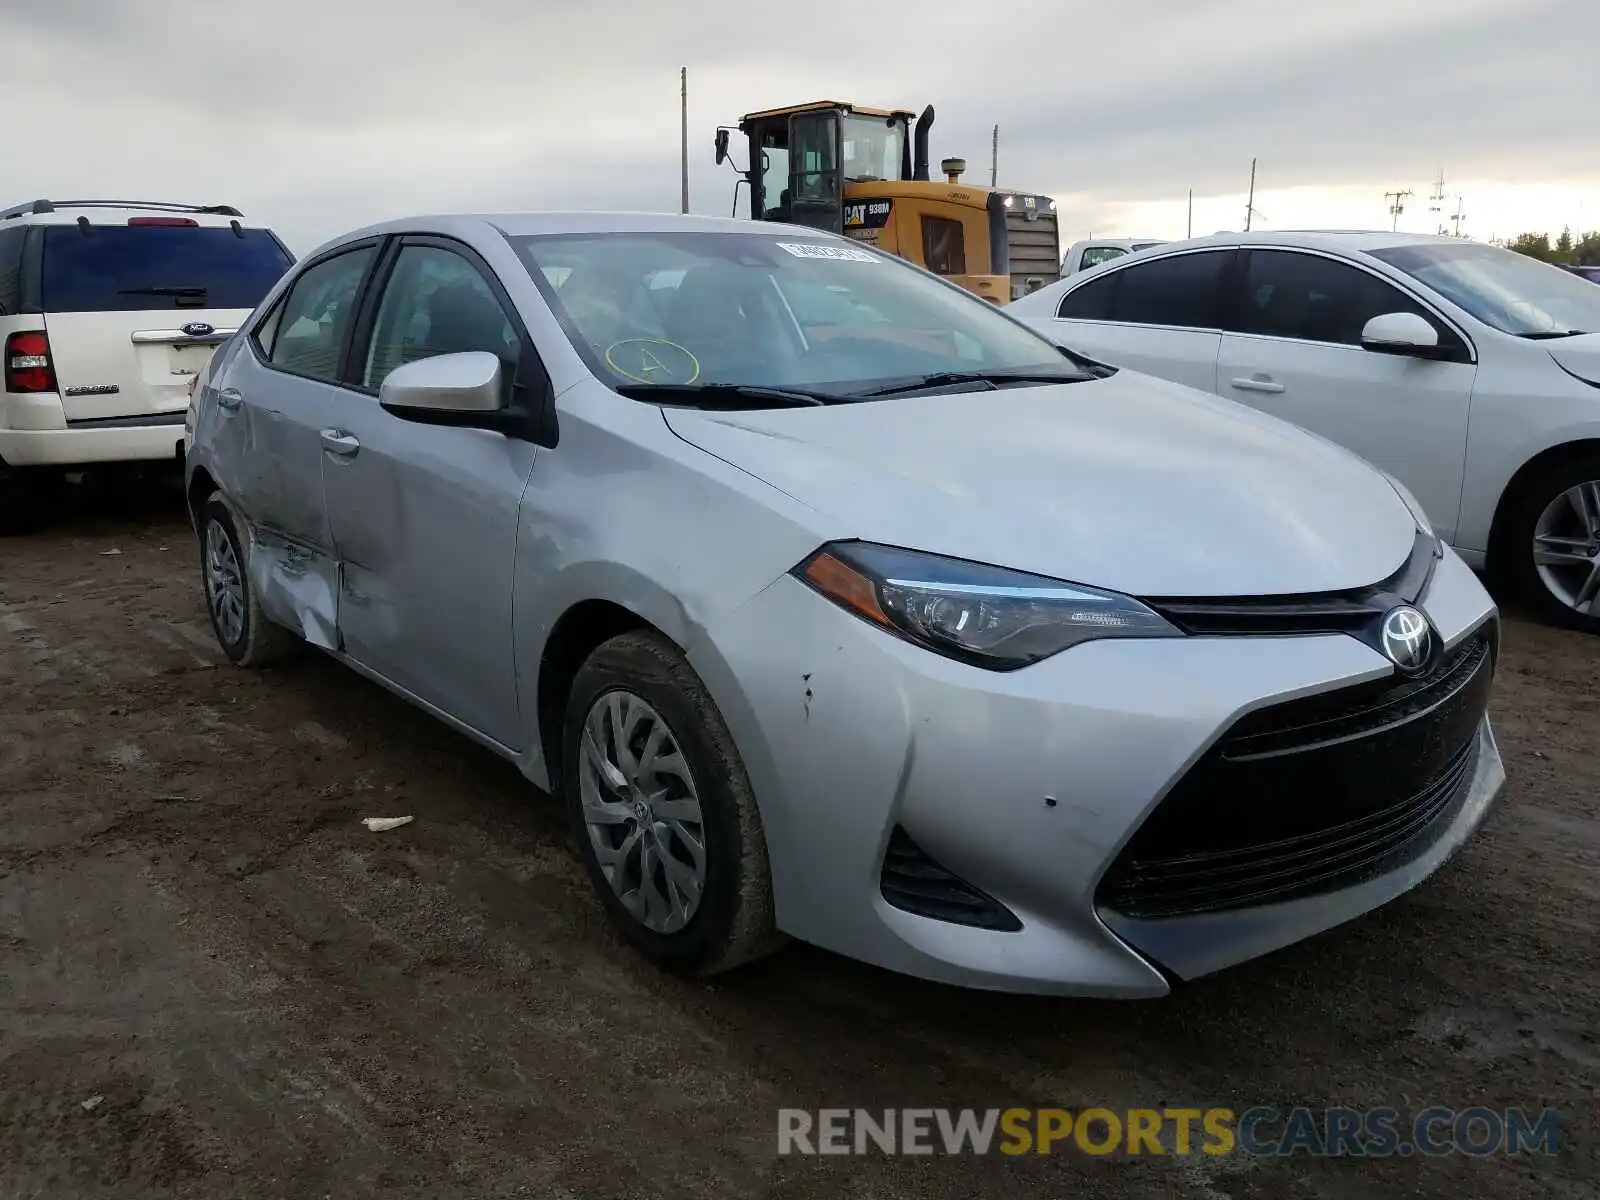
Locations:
(1420, 517)
(986, 616)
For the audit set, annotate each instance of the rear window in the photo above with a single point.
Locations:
(114, 268)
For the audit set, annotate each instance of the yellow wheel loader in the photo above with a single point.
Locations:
(863, 172)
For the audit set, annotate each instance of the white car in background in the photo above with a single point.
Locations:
(1468, 372)
(1091, 252)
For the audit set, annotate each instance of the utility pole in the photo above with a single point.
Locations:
(683, 86)
(1460, 216)
(1250, 202)
(1189, 229)
(1436, 199)
(1396, 205)
(994, 159)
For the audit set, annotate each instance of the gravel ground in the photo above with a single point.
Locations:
(269, 1000)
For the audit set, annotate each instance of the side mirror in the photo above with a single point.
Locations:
(1400, 333)
(446, 388)
(722, 146)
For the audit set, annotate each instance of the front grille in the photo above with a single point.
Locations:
(1034, 249)
(1357, 611)
(1311, 795)
(913, 882)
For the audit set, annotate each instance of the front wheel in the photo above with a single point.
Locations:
(662, 810)
(1555, 538)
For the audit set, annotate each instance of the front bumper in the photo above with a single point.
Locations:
(1027, 785)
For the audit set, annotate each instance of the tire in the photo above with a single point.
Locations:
(25, 497)
(245, 635)
(1546, 508)
(731, 923)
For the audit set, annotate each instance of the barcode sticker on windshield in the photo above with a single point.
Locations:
(817, 250)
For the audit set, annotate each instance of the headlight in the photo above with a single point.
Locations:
(986, 616)
(1417, 515)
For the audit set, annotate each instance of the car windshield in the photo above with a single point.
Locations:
(769, 310)
(1509, 291)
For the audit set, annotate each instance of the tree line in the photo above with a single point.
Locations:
(1581, 251)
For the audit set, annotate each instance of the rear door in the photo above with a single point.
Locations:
(262, 432)
(1162, 316)
(134, 310)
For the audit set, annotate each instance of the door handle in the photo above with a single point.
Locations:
(1257, 384)
(229, 399)
(340, 442)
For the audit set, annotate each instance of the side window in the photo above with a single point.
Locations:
(315, 317)
(1183, 290)
(1092, 301)
(436, 302)
(944, 249)
(267, 331)
(11, 270)
(1095, 255)
(1315, 299)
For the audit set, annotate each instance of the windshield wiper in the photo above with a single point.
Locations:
(724, 395)
(162, 291)
(993, 378)
(1546, 335)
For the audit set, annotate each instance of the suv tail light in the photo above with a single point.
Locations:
(182, 222)
(27, 363)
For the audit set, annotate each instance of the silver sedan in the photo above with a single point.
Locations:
(835, 603)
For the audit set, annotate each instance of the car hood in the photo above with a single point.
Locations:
(1579, 356)
(1129, 483)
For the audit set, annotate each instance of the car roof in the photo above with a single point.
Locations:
(1347, 240)
(528, 224)
(116, 212)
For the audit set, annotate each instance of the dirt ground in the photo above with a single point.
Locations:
(271, 1001)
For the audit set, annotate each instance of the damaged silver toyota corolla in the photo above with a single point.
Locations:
(835, 603)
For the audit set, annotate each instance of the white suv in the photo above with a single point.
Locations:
(108, 309)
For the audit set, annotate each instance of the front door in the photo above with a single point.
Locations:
(816, 180)
(1294, 350)
(424, 517)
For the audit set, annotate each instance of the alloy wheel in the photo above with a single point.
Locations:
(642, 812)
(1566, 547)
(224, 584)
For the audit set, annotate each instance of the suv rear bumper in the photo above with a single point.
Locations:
(34, 432)
(82, 447)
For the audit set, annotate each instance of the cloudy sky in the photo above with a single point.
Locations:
(318, 115)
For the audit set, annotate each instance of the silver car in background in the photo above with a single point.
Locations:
(835, 603)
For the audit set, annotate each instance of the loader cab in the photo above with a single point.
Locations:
(803, 158)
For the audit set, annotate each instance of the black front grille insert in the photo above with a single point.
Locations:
(1311, 795)
(914, 883)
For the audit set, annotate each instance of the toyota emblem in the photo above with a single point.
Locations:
(1407, 640)
(198, 329)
